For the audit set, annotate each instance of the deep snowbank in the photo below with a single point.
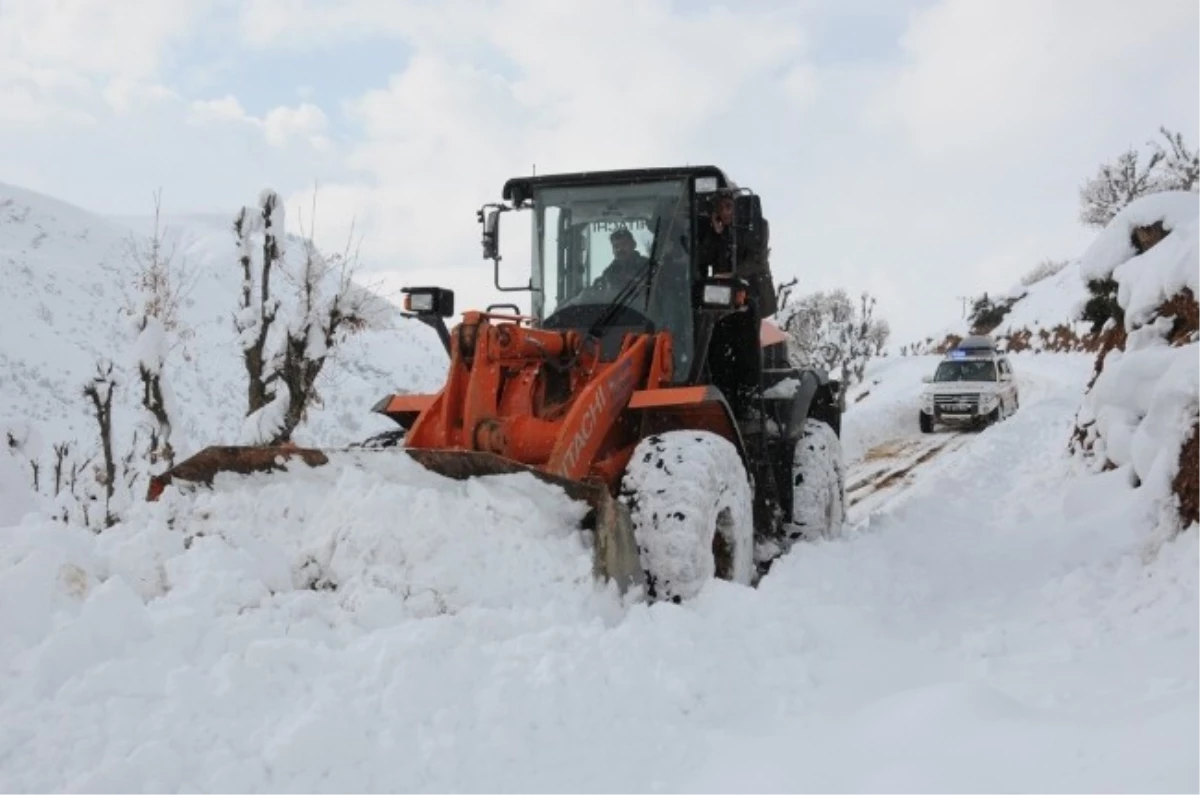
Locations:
(1144, 403)
(997, 630)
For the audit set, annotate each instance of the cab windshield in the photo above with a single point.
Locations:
(966, 371)
(592, 242)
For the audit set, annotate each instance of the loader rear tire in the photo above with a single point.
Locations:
(692, 508)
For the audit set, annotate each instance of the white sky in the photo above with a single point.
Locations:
(920, 150)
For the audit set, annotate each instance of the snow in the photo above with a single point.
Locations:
(1113, 246)
(66, 274)
(1040, 308)
(1145, 401)
(15, 499)
(150, 350)
(1146, 281)
(997, 639)
(1054, 301)
(1008, 622)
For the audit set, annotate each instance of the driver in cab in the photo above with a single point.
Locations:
(627, 262)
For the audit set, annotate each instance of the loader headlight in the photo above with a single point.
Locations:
(718, 295)
(722, 294)
(429, 301)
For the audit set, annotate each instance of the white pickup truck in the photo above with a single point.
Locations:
(973, 385)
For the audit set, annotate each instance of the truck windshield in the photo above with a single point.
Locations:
(966, 371)
(590, 241)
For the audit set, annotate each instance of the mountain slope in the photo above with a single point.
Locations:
(1044, 315)
(67, 275)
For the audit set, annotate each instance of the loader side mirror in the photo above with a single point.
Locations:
(429, 301)
(489, 216)
(491, 234)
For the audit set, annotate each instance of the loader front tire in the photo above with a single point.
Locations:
(692, 507)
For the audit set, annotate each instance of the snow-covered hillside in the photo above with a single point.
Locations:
(1044, 315)
(68, 273)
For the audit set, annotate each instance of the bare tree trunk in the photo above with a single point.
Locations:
(160, 446)
(100, 392)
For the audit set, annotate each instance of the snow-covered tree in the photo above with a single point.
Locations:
(1118, 183)
(316, 327)
(256, 312)
(319, 302)
(828, 331)
(161, 283)
(1180, 165)
(1115, 185)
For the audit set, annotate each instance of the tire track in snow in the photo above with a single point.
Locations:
(888, 469)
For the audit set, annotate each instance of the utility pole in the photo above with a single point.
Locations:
(964, 300)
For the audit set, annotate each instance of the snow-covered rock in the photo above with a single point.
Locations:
(1143, 405)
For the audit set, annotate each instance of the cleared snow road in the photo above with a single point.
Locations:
(998, 629)
(885, 451)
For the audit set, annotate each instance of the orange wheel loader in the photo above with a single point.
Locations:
(645, 384)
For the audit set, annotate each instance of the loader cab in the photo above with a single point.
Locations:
(575, 278)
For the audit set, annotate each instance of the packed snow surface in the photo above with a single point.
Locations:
(371, 626)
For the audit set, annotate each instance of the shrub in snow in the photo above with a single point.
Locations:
(987, 313)
(1044, 270)
(1140, 410)
(827, 330)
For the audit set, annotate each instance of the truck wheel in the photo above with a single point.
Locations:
(692, 508)
(819, 486)
(925, 421)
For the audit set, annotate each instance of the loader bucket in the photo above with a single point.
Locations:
(615, 553)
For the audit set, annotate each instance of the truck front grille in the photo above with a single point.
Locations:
(957, 404)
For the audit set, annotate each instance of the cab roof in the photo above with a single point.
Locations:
(520, 189)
